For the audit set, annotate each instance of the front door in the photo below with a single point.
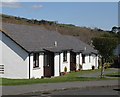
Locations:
(48, 64)
(72, 61)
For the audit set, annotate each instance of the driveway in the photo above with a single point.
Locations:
(98, 73)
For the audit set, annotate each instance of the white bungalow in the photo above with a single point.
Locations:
(34, 52)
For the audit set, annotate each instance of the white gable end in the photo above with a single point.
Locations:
(14, 59)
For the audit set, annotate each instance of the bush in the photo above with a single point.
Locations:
(107, 65)
(80, 66)
(65, 69)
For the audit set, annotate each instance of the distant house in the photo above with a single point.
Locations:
(117, 54)
(34, 52)
(117, 50)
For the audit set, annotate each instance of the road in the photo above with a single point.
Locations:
(22, 89)
(80, 91)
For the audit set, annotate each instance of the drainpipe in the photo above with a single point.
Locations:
(59, 63)
(29, 65)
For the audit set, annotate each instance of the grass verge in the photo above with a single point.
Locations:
(114, 74)
(71, 77)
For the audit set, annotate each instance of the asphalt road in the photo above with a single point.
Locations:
(34, 88)
(113, 91)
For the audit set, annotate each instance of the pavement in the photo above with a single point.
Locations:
(22, 89)
(17, 90)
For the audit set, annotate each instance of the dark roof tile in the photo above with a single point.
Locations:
(36, 38)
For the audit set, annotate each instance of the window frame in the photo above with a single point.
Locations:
(64, 56)
(35, 60)
(83, 58)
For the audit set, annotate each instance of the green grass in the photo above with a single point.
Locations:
(50, 80)
(71, 77)
(114, 74)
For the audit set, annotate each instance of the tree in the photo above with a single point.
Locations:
(105, 45)
(118, 31)
(115, 29)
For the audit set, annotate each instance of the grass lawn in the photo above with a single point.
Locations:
(114, 74)
(73, 76)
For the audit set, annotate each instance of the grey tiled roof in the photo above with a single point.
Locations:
(36, 38)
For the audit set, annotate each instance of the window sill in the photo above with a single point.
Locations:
(35, 68)
(65, 62)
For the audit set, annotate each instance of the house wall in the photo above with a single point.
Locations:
(63, 64)
(116, 51)
(80, 55)
(14, 59)
(77, 61)
(93, 62)
(1, 64)
(38, 71)
(87, 64)
(56, 64)
(96, 61)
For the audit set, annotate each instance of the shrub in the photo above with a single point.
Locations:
(65, 69)
(80, 66)
(93, 67)
(107, 65)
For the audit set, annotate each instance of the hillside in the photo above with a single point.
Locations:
(83, 33)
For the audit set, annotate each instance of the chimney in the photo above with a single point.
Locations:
(85, 48)
(55, 43)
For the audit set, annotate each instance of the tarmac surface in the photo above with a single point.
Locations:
(23, 89)
(97, 74)
(80, 91)
(17, 90)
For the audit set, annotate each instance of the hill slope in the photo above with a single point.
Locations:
(83, 33)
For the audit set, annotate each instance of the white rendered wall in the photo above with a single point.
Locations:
(77, 61)
(87, 65)
(93, 62)
(31, 65)
(56, 64)
(1, 75)
(96, 62)
(63, 64)
(0, 47)
(15, 59)
(38, 71)
(80, 55)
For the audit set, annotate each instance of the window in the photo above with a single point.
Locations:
(64, 56)
(35, 60)
(83, 58)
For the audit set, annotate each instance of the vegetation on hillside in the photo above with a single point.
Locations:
(83, 33)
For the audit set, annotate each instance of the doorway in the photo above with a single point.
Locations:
(48, 64)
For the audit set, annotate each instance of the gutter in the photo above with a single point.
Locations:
(29, 65)
(59, 64)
